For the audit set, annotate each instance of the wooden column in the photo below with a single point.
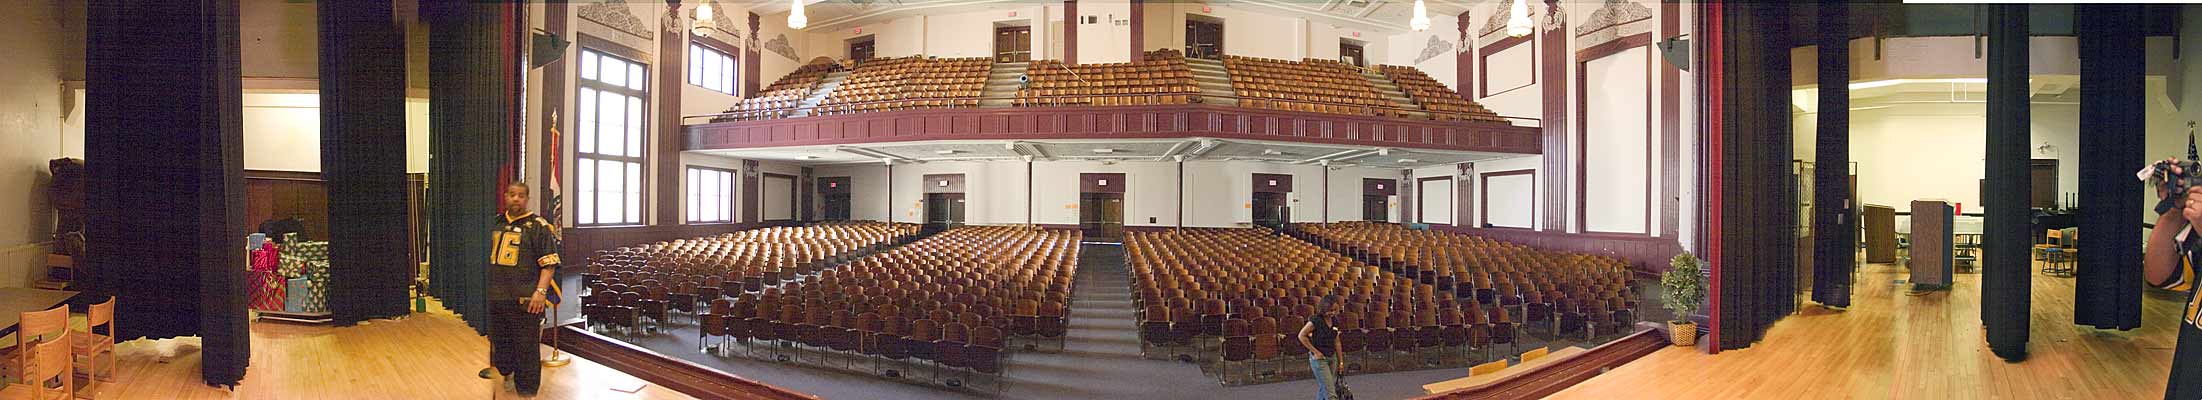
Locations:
(363, 160)
(1552, 76)
(672, 70)
(2109, 287)
(477, 88)
(1070, 32)
(807, 185)
(1139, 30)
(1834, 247)
(752, 183)
(166, 224)
(1409, 206)
(553, 98)
(751, 61)
(1464, 61)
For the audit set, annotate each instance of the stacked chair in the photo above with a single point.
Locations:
(659, 281)
(1443, 103)
(1575, 295)
(1226, 297)
(1323, 86)
(949, 303)
(1160, 78)
(885, 84)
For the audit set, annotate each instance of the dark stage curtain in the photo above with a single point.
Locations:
(1758, 197)
(363, 160)
(2109, 286)
(1835, 246)
(476, 77)
(165, 232)
(2006, 276)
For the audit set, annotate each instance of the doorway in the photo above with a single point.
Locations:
(1272, 203)
(2043, 174)
(860, 49)
(1101, 205)
(834, 193)
(943, 211)
(1376, 199)
(1350, 53)
(1203, 37)
(1012, 44)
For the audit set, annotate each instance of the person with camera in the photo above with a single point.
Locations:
(2168, 263)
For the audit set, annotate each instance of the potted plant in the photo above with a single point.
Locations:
(1685, 290)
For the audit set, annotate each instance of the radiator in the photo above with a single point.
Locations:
(22, 264)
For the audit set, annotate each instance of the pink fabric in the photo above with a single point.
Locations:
(266, 258)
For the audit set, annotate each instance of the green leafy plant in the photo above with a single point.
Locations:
(1685, 286)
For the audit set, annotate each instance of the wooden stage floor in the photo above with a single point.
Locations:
(425, 356)
(1892, 344)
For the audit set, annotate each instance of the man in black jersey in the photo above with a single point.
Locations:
(2169, 264)
(523, 257)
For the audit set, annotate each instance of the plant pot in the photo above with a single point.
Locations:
(1682, 333)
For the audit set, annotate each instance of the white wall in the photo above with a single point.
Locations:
(1402, 49)
(1109, 40)
(1617, 143)
(31, 107)
(1434, 201)
(1217, 193)
(1511, 201)
(1920, 151)
(282, 131)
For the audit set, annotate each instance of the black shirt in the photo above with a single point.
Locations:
(1324, 336)
(2186, 362)
(519, 249)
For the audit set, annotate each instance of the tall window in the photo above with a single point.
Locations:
(710, 68)
(710, 195)
(609, 147)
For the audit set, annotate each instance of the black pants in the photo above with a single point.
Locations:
(513, 337)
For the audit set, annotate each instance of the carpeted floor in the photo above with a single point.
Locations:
(1100, 358)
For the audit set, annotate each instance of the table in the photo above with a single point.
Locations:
(1516, 369)
(16, 301)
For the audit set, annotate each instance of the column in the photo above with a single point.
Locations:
(1834, 248)
(2109, 288)
(2006, 278)
(1070, 32)
(363, 160)
(1552, 60)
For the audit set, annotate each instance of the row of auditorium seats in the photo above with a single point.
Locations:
(1572, 294)
(953, 302)
(910, 82)
(778, 100)
(1229, 297)
(1160, 78)
(642, 288)
(1323, 86)
(1443, 103)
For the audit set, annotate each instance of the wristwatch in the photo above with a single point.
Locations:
(539, 290)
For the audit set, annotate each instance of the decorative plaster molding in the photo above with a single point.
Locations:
(1616, 19)
(779, 45)
(617, 15)
(1497, 21)
(1433, 48)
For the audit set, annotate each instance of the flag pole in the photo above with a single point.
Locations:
(557, 358)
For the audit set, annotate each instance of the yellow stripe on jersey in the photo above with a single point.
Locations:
(547, 259)
(2186, 276)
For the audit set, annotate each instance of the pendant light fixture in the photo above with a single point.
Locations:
(1518, 25)
(796, 20)
(705, 23)
(1421, 20)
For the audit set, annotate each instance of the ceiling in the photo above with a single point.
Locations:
(1377, 15)
(1110, 150)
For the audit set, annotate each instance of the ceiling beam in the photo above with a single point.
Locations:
(1206, 145)
(875, 154)
(1175, 149)
(1369, 9)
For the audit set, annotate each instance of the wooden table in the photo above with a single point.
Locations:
(16, 301)
(1516, 369)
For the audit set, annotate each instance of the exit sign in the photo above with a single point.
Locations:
(1205, 9)
(1357, 34)
(1012, 13)
(859, 30)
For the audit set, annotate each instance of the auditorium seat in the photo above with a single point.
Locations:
(900, 83)
(781, 98)
(1549, 290)
(1443, 103)
(1207, 286)
(1312, 85)
(958, 289)
(1160, 78)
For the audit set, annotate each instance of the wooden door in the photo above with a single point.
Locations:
(1013, 44)
(1376, 208)
(2044, 174)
